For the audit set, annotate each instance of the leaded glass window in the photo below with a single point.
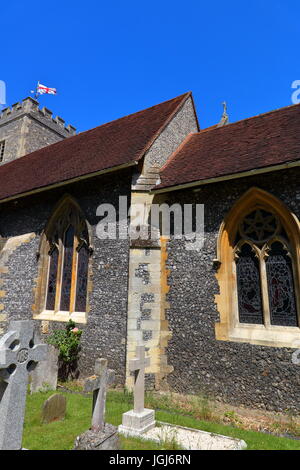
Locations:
(249, 290)
(67, 268)
(68, 261)
(82, 273)
(52, 279)
(259, 226)
(281, 286)
(264, 271)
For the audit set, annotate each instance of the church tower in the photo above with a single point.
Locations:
(25, 128)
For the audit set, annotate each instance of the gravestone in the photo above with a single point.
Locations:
(140, 419)
(98, 385)
(102, 435)
(54, 408)
(44, 376)
(18, 356)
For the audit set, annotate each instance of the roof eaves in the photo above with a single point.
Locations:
(242, 174)
(69, 181)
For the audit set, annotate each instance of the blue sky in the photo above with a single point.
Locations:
(110, 59)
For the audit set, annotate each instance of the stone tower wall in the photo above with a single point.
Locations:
(25, 128)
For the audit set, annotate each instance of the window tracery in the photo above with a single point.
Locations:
(264, 268)
(258, 272)
(65, 252)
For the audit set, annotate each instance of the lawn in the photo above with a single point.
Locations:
(61, 435)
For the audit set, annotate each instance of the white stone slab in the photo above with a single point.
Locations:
(193, 439)
(137, 423)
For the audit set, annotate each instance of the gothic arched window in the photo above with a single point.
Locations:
(264, 271)
(249, 285)
(280, 280)
(65, 251)
(258, 272)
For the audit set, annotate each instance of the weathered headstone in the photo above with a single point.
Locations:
(98, 385)
(18, 356)
(54, 408)
(140, 419)
(101, 436)
(44, 376)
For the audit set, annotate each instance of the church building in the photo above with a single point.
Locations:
(223, 320)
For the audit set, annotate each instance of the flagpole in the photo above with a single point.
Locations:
(36, 91)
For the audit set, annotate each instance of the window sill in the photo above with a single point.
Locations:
(77, 317)
(274, 336)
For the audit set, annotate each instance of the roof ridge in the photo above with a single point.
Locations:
(115, 145)
(86, 132)
(247, 147)
(137, 112)
(230, 124)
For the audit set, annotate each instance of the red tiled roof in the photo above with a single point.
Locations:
(255, 143)
(116, 143)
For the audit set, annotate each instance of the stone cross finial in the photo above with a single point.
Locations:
(98, 385)
(137, 365)
(18, 356)
(225, 118)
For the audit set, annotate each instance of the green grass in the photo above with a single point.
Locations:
(61, 435)
(254, 440)
(58, 435)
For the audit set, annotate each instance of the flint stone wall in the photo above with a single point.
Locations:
(237, 373)
(104, 335)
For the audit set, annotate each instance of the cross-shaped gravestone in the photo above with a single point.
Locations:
(140, 419)
(98, 385)
(137, 365)
(18, 356)
(101, 436)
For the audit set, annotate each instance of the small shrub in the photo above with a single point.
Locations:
(67, 341)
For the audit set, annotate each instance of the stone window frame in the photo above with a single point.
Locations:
(59, 214)
(2, 242)
(2, 149)
(229, 328)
